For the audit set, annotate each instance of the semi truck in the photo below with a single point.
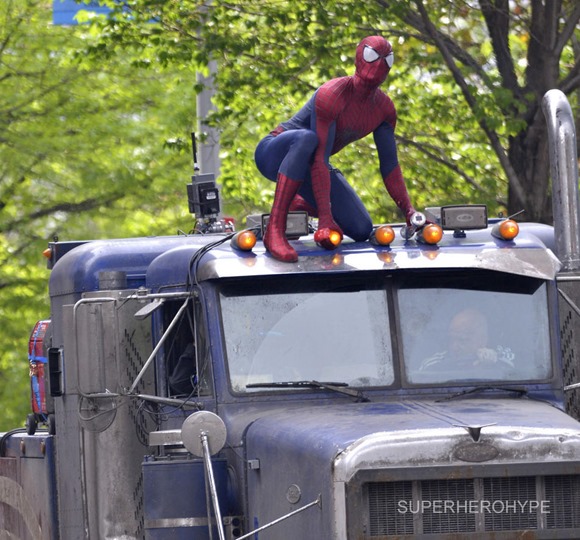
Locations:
(422, 384)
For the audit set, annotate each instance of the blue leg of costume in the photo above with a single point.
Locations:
(290, 153)
(284, 158)
(348, 210)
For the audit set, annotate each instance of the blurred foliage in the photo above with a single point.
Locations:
(273, 55)
(85, 152)
(467, 82)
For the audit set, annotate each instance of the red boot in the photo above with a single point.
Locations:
(275, 238)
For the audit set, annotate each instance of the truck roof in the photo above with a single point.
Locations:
(159, 263)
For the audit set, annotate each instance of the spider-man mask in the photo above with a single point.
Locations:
(373, 61)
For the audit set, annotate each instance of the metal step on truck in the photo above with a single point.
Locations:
(422, 384)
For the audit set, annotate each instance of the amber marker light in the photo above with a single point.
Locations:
(327, 238)
(506, 230)
(47, 253)
(384, 235)
(244, 240)
(432, 233)
(335, 238)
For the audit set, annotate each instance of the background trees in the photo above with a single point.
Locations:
(85, 152)
(95, 119)
(468, 82)
(503, 73)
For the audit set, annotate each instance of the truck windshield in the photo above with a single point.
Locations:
(454, 331)
(443, 329)
(329, 332)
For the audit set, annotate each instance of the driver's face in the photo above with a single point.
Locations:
(467, 334)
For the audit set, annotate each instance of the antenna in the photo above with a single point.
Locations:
(194, 150)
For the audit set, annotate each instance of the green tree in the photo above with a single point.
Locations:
(468, 84)
(87, 150)
(503, 64)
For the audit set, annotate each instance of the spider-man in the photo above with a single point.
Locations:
(296, 154)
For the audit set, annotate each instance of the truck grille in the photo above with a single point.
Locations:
(473, 505)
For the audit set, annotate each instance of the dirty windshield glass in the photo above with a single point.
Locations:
(328, 334)
(498, 331)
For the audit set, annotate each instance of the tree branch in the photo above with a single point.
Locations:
(569, 28)
(572, 80)
(497, 20)
(457, 51)
(428, 150)
(10, 190)
(66, 207)
(546, 21)
(471, 101)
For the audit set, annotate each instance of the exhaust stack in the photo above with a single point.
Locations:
(564, 172)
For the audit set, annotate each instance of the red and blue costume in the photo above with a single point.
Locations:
(296, 154)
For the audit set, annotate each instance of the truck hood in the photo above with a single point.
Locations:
(415, 433)
(323, 454)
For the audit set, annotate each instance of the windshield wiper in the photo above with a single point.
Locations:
(338, 387)
(513, 389)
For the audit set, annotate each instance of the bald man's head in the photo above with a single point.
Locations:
(467, 333)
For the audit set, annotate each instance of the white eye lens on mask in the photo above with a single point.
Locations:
(370, 55)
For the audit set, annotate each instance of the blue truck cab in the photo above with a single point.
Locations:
(408, 390)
